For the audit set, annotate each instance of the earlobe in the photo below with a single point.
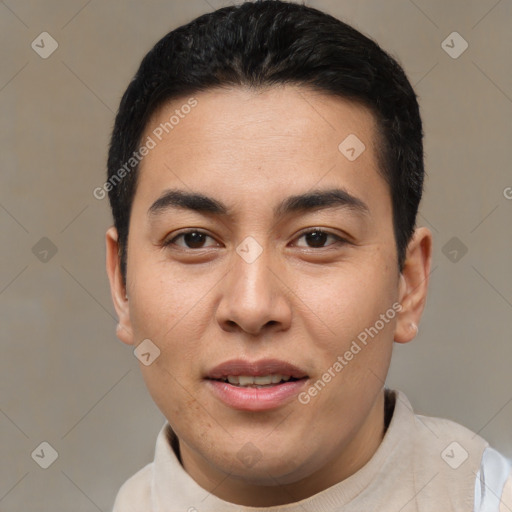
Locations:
(117, 288)
(124, 334)
(413, 285)
(406, 332)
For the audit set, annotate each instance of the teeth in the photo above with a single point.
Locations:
(263, 380)
(245, 380)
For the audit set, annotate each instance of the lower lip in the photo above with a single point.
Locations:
(255, 399)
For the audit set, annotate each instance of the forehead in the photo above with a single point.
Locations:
(244, 143)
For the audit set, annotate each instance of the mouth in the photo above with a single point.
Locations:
(256, 386)
(251, 381)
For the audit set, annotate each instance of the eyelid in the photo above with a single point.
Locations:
(339, 239)
(170, 240)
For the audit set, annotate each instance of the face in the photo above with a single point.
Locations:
(282, 269)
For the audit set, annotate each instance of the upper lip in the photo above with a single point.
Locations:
(236, 367)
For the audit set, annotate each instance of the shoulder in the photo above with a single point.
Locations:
(445, 430)
(436, 438)
(493, 485)
(473, 474)
(506, 497)
(135, 494)
(446, 440)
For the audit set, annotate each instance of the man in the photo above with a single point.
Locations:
(265, 172)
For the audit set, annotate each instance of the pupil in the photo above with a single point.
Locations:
(194, 239)
(317, 236)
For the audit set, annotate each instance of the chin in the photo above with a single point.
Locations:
(268, 474)
(268, 466)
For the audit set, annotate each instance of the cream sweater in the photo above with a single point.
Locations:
(422, 464)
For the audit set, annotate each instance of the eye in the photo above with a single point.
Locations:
(318, 237)
(193, 239)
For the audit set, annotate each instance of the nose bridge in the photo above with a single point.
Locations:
(251, 295)
(250, 266)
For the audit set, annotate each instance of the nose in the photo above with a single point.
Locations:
(255, 298)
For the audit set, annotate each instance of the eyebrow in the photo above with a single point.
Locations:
(314, 200)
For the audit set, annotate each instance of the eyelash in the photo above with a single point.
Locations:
(339, 240)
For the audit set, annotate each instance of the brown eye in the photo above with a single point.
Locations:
(191, 239)
(317, 238)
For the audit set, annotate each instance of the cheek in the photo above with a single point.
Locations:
(340, 304)
(166, 308)
(165, 299)
(172, 393)
(169, 377)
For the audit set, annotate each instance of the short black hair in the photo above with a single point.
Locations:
(262, 44)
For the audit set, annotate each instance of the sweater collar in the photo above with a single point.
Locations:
(172, 488)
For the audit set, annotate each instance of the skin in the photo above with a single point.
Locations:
(300, 301)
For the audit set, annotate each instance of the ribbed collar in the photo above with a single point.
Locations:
(172, 488)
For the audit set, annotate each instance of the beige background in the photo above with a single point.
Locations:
(67, 380)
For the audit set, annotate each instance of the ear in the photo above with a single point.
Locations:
(117, 289)
(414, 285)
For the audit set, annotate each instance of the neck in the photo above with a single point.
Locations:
(352, 457)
